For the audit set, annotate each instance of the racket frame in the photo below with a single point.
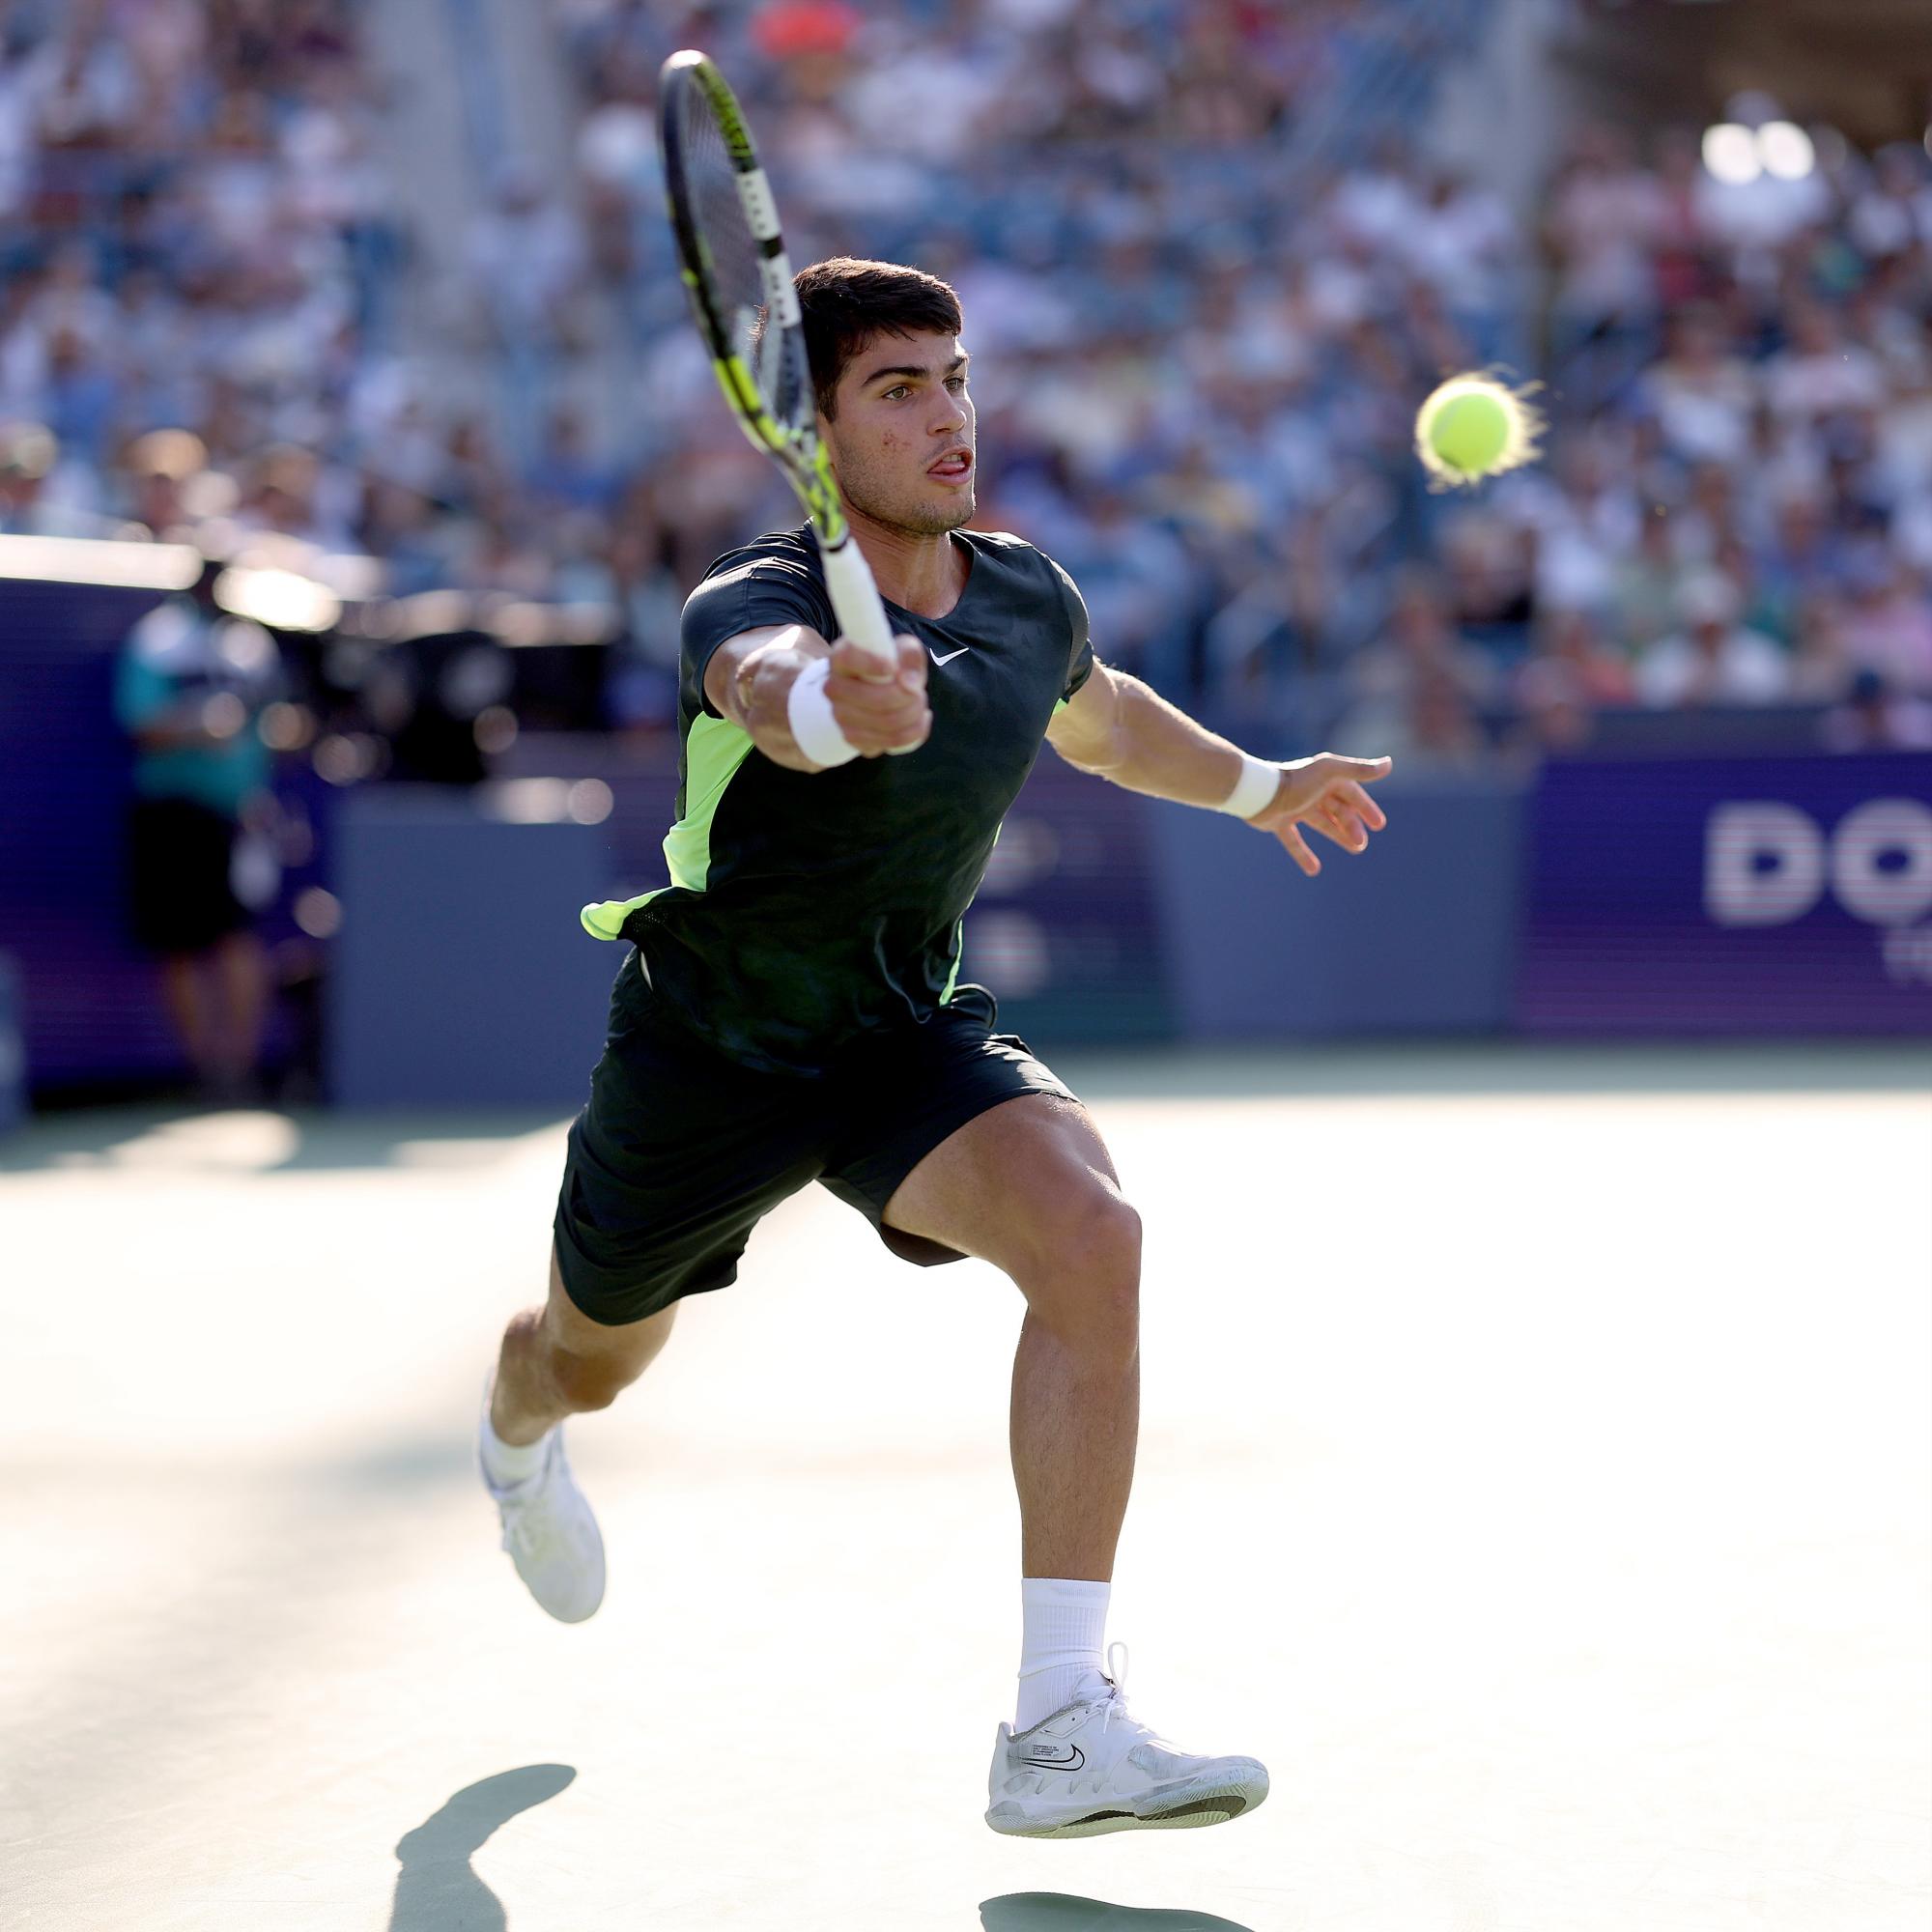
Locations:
(795, 446)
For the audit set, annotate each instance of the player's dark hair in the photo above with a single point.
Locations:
(846, 302)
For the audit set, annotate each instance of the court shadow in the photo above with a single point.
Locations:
(1061, 1911)
(437, 1890)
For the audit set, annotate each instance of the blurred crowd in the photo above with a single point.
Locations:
(1201, 325)
(195, 258)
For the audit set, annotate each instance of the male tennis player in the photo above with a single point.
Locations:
(790, 1010)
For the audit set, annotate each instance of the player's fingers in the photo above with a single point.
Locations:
(1373, 814)
(863, 698)
(1351, 820)
(879, 710)
(1298, 850)
(903, 737)
(877, 729)
(1367, 770)
(907, 727)
(855, 661)
(912, 661)
(1342, 827)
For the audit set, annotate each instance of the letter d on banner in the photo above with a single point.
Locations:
(1764, 864)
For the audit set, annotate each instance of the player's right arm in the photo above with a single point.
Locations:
(749, 680)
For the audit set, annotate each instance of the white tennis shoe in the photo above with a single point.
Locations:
(548, 1529)
(1092, 1768)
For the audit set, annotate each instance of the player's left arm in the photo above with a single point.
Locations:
(1116, 726)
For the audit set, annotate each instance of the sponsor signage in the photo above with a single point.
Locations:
(1743, 896)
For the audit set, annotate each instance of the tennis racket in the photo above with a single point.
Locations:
(733, 262)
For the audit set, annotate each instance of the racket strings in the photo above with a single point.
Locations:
(733, 256)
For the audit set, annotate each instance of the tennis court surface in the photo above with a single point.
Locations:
(1534, 1472)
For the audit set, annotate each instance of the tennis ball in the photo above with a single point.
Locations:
(1469, 431)
(1473, 426)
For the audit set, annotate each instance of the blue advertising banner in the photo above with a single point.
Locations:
(1744, 896)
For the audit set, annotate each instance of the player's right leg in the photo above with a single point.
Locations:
(555, 1361)
(666, 1171)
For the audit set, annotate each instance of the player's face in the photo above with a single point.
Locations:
(901, 445)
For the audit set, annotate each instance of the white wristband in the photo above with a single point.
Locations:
(1255, 789)
(814, 728)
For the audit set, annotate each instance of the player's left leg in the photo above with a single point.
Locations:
(1029, 1187)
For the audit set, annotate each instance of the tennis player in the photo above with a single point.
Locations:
(790, 1009)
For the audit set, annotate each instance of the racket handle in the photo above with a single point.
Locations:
(855, 599)
(857, 604)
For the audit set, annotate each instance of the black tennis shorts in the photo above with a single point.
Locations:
(179, 856)
(681, 1151)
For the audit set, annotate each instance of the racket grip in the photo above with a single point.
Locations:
(855, 599)
(857, 604)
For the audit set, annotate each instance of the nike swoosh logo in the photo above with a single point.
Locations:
(1073, 1763)
(949, 655)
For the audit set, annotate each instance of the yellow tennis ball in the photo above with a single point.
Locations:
(1474, 426)
(1469, 431)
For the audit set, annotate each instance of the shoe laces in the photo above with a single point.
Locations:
(1114, 1710)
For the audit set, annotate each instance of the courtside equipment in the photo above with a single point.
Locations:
(1472, 427)
(735, 269)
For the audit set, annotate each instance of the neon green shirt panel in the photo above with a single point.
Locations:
(958, 954)
(712, 754)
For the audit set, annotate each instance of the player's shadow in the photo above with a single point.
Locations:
(437, 1890)
(1061, 1911)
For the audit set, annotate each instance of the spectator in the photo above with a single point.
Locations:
(1888, 623)
(1428, 724)
(1893, 217)
(1423, 686)
(1804, 556)
(157, 471)
(27, 455)
(1605, 216)
(1583, 525)
(190, 686)
(568, 473)
(1571, 677)
(1874, 717)
(1647, 585)
(1713, 659)
(1820, 374)
(1702, 394)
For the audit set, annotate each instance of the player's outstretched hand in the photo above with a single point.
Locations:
(1325, 793)
(879, 710)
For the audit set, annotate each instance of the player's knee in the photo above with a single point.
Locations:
(589, 1381)
(590, 1369)
(1085, 1282)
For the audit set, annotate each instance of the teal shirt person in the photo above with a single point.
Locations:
(182, 664)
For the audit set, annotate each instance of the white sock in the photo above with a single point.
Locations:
(1065, 1619)
(504, 1463)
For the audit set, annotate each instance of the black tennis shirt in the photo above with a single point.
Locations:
(810, 911)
